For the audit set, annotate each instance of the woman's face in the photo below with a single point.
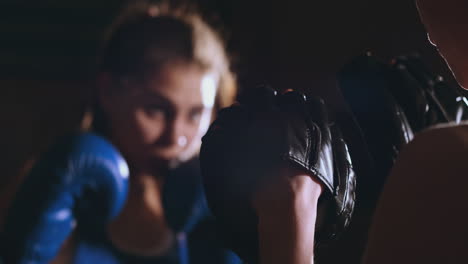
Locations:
(446, 22)
(162, 118)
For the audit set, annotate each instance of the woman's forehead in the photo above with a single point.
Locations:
(183, 83)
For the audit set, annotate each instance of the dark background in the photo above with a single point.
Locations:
(48, 51)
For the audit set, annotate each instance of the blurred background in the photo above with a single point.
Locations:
(48, 52)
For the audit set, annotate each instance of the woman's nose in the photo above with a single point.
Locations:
(176, 132)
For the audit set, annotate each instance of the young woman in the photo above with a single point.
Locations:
(163, 74)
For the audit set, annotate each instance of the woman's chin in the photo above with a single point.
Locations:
(166, 156)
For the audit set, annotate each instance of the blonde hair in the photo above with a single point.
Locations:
(148, 35)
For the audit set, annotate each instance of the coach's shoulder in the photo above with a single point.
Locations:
(438, 151)
(447, 138)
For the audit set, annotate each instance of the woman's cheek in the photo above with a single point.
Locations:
(191, 133)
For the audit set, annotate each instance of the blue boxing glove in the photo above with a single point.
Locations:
(82, 180)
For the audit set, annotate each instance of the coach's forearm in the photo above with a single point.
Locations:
(287, 213)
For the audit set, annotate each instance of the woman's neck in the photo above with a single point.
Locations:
(141, 227)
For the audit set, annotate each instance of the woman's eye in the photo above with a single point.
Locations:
(195, 116)
(154, 109)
